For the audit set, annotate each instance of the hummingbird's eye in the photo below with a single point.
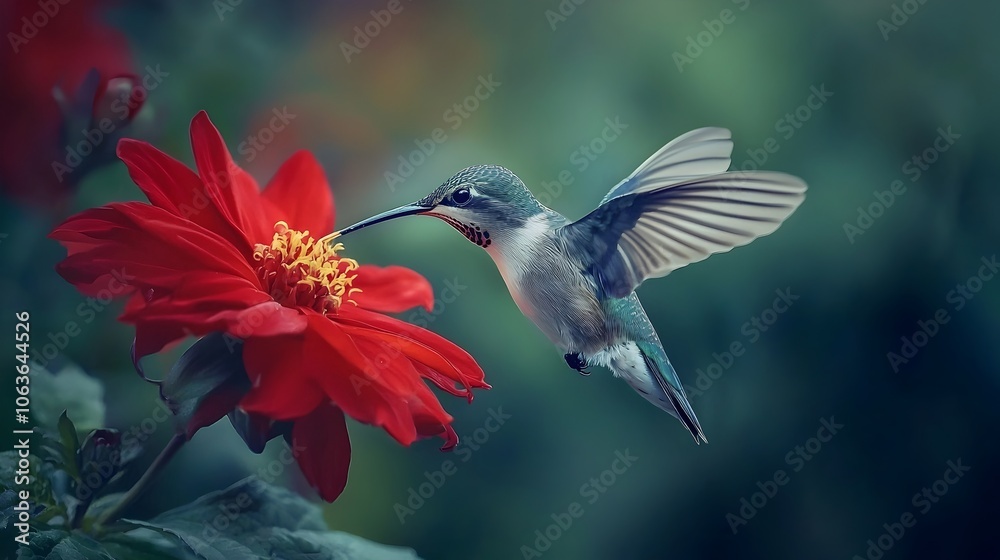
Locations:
(461, 197)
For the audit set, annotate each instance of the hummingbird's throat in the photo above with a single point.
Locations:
(472, 232)
(299, 271)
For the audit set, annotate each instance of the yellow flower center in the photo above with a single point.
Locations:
(299, 271)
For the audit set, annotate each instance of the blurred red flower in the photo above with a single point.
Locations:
(65, 70)
(213, 254)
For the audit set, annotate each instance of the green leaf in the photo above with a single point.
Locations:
(101, 504)
(69, 390)
(40, 544)
(309, 545)
(252, 520)
(70, 445)
(145, 544)
(76, 546)
(63, 545)
(206, 383)
(7, 500)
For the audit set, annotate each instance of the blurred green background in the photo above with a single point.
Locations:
(559, 70)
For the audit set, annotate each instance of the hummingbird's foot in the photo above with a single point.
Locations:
(577, 362)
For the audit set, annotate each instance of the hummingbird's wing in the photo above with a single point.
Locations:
(654, 230)
(704, 151)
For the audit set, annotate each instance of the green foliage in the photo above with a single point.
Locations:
(60, 544)
(249, 520)
(252, 519)
(69, 445)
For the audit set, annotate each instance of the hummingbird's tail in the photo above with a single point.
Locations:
(672, 397)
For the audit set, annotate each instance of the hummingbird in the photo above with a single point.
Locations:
(576, 280)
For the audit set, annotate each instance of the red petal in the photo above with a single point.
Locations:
(170, 185)
(392, 289)
(301, 194)
(143, 245)
(151, 338)
(322, 447)
(430, 425)
(235, 190)
(440, 381)
(281, 387)
(420, 344)
(207, 303)
(369, 391)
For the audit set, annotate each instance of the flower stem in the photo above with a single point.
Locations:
(155, 467)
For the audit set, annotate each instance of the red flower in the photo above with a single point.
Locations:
(211, 253)
(66, 46)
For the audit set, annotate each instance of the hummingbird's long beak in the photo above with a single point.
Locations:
(408, 210)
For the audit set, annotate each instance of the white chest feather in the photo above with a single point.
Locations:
(547, 288)
(515, 254)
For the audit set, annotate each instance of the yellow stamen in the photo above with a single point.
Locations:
(299, 271)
